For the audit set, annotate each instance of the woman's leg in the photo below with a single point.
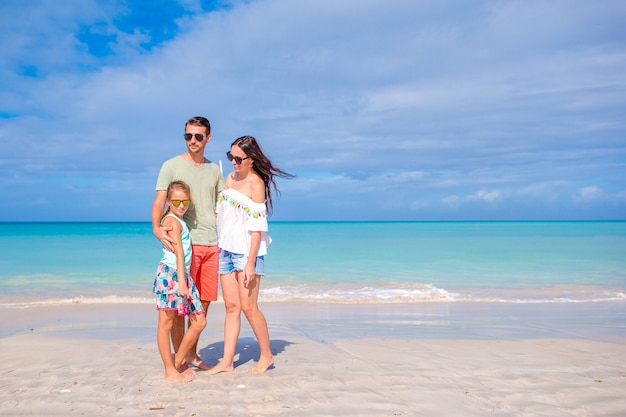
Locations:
(232, 322)
(164, 327)
(249, 296)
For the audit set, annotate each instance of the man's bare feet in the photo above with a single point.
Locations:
(222, 366)
(198, 363)
(188, 371)
(262, 365)
(183, 368)
(177, 377)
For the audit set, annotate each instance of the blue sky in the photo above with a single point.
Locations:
(385, 110)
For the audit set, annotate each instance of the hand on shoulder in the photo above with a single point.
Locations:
(173, 224)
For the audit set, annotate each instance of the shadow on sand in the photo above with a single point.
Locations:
(247, 349)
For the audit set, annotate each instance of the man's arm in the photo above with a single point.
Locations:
(157, 211)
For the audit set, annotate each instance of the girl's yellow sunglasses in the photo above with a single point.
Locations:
(177, 203)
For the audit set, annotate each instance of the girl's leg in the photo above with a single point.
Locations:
(197, 323)
(249, 304)
(164, 327)
(232, 322)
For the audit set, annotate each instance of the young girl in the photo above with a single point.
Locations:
(243, 241)
(175, 291)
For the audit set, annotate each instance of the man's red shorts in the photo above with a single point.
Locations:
(204, 266)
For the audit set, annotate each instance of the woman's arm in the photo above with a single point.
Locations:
(255, 243)
(258, 196)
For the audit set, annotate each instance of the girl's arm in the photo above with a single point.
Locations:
(183, 291)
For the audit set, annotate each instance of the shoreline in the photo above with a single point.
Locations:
(600, 321)
(394, 293)
(466, 359)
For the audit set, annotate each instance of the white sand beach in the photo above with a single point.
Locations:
(330, 360)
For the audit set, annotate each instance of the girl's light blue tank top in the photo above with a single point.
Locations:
(169, 258)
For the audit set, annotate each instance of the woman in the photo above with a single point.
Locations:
(243, 240)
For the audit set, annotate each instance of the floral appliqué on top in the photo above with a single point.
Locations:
(239, 205)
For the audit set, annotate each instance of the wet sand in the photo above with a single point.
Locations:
(428, 359)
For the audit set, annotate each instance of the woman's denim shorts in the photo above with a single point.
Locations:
(231, 262)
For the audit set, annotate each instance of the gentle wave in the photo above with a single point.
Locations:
(368, 294)
(423, 293)
(399, 293)
(110, 299)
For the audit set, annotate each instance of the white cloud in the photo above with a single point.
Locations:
(451, 201)
(590, 193)
(430, 101)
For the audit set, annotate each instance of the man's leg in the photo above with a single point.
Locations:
(204, 266)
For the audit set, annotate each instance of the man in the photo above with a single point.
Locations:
(206, 181)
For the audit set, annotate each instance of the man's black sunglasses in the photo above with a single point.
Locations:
(199, 136)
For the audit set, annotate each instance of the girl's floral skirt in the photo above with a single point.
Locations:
(166, 289)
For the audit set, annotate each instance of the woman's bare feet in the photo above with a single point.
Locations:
(262, 365)
(222, 366)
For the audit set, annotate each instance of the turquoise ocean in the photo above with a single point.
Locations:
(335, 262)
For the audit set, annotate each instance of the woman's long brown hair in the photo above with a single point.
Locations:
(262, 166)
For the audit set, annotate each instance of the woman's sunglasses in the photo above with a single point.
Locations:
(199, 136)
(238, 160)
(177, 203)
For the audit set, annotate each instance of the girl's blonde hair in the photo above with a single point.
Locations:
(176, 185)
